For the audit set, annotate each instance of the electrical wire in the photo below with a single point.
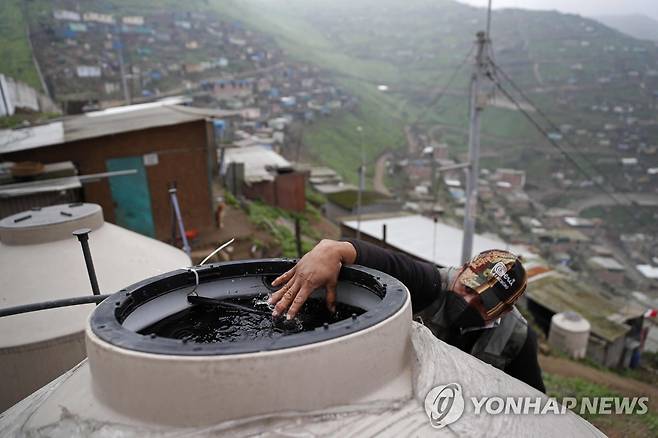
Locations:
(553, 126)
(444, 90)
(538, 110)
(563, 151)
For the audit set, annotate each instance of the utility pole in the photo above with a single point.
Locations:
(362, 185)
(122, 66)
(476, 107)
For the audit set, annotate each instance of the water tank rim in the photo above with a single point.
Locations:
(106, 320)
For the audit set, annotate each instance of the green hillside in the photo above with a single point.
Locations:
(15, 50)
(566, 63)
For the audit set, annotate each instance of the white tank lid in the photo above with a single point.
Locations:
(49, 224)
(571, 321)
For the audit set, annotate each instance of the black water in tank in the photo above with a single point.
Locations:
(214, 323)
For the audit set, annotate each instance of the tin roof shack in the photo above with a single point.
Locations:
(563, 240)
(164, 142)
(608, 270)
(615, 329)
(514, 178)
(258, 172)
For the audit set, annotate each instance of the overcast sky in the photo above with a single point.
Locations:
(589, 8)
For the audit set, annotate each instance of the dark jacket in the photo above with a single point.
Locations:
(510, 346)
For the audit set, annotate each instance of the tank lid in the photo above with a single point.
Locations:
(48, 224)
(571, 321)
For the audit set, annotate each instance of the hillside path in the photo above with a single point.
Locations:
(380, 174)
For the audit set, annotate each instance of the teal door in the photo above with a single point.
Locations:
(131, 196)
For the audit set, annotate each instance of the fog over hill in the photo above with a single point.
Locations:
(635, 25)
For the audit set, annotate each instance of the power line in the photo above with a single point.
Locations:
(444, 90)
(550, 122)
(564, 152)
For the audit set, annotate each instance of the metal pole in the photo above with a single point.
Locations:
(434, 242)
(179, 220)
(83, 237)
(64, 302)
(489, 19)
(476, 107)
(122, 67)
(362, 178)
(298, 237)
(384, 235)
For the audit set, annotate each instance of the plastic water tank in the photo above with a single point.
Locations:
(569, 332)
(40, 260)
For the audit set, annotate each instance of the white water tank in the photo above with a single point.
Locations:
(569, 332)
(40, 260)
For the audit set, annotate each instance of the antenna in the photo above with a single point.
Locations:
(489, 19)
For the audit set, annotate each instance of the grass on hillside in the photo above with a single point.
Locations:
(15, 50)
(272, 219)
(629, 425)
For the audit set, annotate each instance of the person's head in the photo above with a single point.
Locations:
(489, 284)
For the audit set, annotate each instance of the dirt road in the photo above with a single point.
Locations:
(625, 386)
(412, 143)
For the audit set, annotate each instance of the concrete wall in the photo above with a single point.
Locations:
(605, 353)
(17, 95)
(183, 152)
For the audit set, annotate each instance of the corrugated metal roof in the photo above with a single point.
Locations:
(41, 186)
(648, 271)
(107, 122)
(606, 263)
(13, 140)
(414, 235)
(260, 163)
(133, 118)
(561, 294)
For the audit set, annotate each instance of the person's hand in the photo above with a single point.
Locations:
(318, 268)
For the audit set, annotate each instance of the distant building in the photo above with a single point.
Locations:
(133, 21)
(515, 178)
(62, 14)
(258, 172)
(608, 270)
(88, 71)
(616, 329)
(98, 18)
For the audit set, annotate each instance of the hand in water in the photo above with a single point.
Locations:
(318, 268)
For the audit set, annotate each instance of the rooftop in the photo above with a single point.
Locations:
(414, 235)
(606, 263)
(106, 122)
(561, 294)
(648, 271)
(260, 163)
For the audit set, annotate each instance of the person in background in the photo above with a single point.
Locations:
(470, 307)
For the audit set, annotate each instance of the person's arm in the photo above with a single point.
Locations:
(525, 365)
(320, 268)
(421, 278)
